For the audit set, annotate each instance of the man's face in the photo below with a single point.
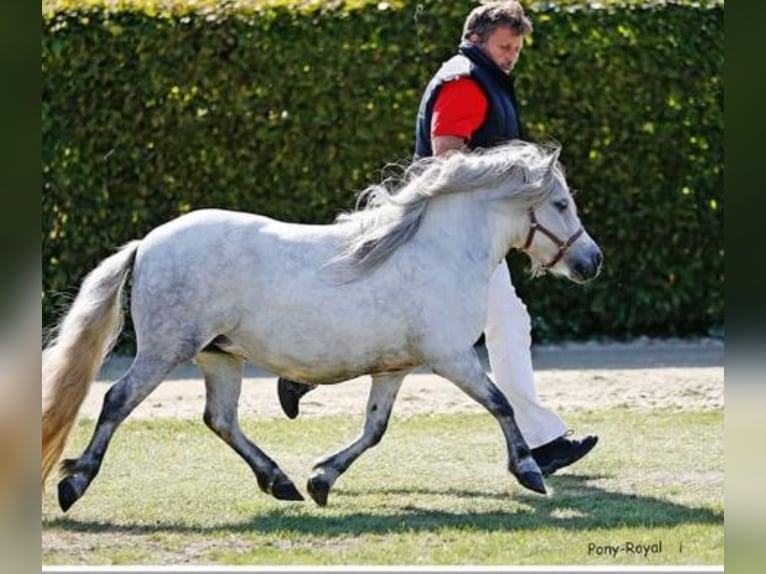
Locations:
(503, 46)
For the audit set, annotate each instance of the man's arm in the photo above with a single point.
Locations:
(445, 144)
(459, 110)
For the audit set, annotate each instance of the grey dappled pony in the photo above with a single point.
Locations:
(394, 285)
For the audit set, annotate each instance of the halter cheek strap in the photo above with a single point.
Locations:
(563, 246)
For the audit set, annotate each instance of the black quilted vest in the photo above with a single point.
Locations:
(502, 121)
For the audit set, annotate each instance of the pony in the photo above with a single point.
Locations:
(398, 283)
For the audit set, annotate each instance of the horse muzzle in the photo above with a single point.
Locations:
(584, 264)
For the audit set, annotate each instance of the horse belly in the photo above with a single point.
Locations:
(327, 351)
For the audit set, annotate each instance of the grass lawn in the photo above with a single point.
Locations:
(435, 491)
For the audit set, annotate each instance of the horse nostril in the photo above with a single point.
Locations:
(598, 259)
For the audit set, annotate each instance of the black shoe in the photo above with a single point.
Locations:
(562, 452)
(290, 393)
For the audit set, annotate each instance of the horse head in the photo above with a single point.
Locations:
(540, 212)
(556, 240)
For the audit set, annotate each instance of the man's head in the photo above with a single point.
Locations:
(499, 28)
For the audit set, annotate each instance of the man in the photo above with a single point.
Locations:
(470, 103)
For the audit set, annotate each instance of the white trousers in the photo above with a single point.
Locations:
(508, 338)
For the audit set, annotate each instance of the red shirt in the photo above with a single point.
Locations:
(459, 110)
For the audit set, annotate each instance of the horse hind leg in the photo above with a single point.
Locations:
(466, 372)
(141, 378)
(379, 403)
(223, 382)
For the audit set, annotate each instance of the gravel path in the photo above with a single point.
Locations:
(642, 374)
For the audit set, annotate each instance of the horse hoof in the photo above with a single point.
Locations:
(533, 481)
(67, 494)
(318, 490)
(286, 491)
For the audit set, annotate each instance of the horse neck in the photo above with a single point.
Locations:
(462, 225)
(506, 226)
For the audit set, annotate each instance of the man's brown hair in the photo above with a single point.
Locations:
(489, 15)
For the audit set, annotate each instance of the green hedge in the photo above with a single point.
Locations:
(151, 109)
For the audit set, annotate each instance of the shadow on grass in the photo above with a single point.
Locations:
(575, 505)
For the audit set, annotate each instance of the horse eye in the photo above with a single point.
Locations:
(561, 204)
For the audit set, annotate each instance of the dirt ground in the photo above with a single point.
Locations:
(642, 374)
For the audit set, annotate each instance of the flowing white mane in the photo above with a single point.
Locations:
(393, 210)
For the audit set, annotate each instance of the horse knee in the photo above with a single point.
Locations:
(499, 405)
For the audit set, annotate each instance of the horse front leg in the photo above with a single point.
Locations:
(327, 470)
(466, 372)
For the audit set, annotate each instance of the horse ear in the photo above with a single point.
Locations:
(550, 168)
(554, 158)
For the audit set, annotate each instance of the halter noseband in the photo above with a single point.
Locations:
(563, 246)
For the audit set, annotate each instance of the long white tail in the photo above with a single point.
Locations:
(72, 360)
